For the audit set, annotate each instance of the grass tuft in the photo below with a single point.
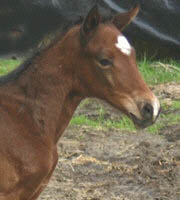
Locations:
(155, 73)
(8, 65)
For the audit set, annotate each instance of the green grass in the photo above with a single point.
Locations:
(8, 65)
(125, 124)
(175, 104)
(156, 73)
(83, 120)
(166, 120)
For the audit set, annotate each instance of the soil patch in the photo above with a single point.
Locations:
(109, 164)
(168, 91)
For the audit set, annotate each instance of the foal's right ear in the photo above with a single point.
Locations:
(123, 19)
(90, 23)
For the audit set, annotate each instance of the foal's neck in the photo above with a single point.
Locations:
(47, 90)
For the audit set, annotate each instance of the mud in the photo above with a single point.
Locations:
(110, 164)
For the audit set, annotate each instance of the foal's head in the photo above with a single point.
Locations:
(107, 68)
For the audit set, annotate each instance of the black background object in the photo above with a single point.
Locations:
(24, 23)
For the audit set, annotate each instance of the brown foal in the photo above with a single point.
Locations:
(38, 99)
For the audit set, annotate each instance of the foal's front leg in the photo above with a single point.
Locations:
(45, 182)
(28, 187)
(41, 188)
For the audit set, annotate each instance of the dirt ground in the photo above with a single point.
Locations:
(110, 164)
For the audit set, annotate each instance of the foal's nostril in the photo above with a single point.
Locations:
(147, 111)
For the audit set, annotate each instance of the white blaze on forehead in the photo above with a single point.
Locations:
(123, 45)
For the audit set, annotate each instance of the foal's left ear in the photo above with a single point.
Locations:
(91, 22)
(123, 19)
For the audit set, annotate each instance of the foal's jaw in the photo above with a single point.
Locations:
(143, 111)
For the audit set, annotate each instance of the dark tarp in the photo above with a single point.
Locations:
(23, 23)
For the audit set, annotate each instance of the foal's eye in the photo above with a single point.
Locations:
(105, 62)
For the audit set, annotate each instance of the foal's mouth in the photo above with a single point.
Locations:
(142, 123)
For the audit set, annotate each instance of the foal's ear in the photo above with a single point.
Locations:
(90, 23)
(123, 19)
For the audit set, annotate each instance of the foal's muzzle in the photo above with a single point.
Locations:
(149, 116)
